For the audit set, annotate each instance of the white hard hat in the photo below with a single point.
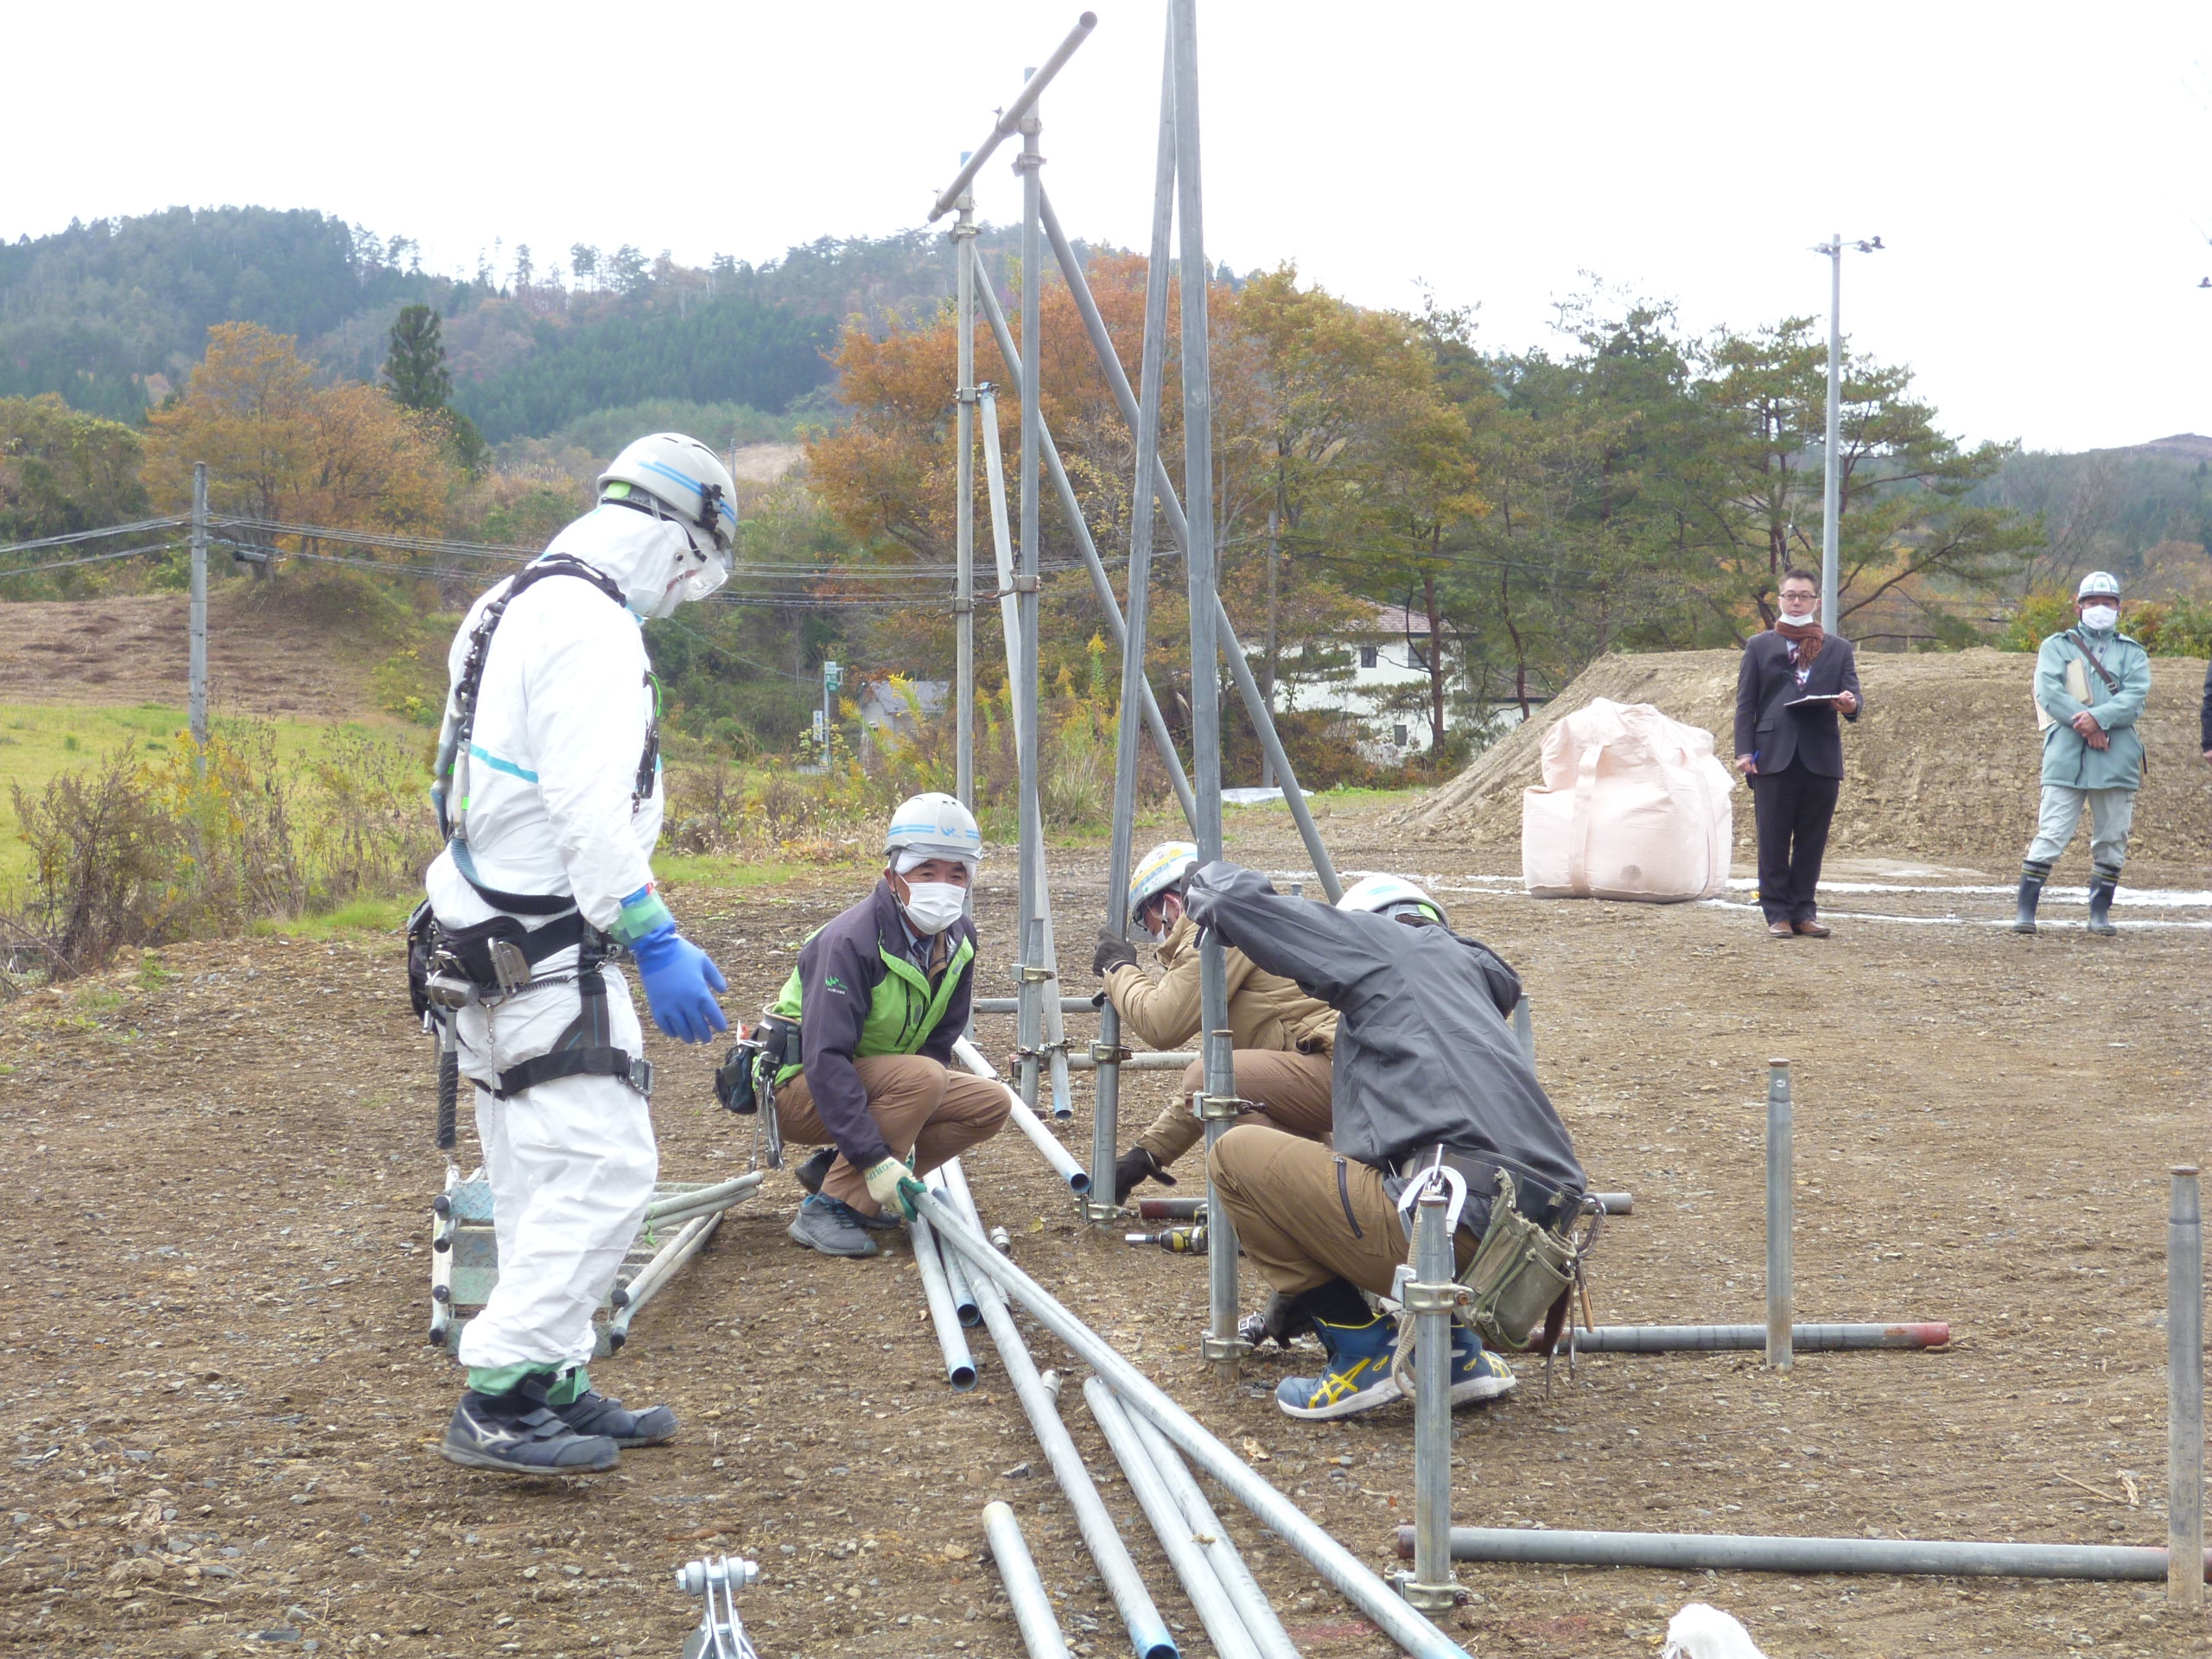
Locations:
(934, 825)
(2098, 584)
(1388, 895)
(683, 477)
(1164, 867)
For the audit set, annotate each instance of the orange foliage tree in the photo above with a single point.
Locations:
(280, 446)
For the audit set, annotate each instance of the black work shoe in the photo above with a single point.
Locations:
(519, 1434)
(815, 1170)
(594, 1413)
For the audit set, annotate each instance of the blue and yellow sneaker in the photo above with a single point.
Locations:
(1357, 1378)
(1477, 1374)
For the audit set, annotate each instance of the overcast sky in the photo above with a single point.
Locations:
(2039, 174)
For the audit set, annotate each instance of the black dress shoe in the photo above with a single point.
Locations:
(1810, 930)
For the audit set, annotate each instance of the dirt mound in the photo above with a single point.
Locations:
(297, 654)
(1942, 765)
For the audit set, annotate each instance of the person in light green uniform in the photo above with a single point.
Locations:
(2091, 681)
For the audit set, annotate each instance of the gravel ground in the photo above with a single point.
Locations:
(220, 1410)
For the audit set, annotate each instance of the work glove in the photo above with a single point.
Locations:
(892, 1185)
(1137, 1165)
(1113, 951)
(1284, 1320)
(680, 981)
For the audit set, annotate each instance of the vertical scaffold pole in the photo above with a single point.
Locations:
(1033, 966)
(1218, 1104)
(963, 522)
(1151, 372)
(1781, 1214)
(2184, 1393)
(197, 708)
(1431, 1299)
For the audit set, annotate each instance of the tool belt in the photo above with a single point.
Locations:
(1528, 1258)
(748, 1069)
(447, 969)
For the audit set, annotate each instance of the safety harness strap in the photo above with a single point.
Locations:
(586, 1049)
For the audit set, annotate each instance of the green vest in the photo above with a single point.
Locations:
(901, 1013)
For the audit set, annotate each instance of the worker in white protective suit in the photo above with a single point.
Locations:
(548, 789)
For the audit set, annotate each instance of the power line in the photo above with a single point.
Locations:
(94, 558)
(135, 528)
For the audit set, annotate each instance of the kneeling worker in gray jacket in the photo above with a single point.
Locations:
(1426, 1068)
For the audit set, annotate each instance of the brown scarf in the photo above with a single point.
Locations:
(1806, 635)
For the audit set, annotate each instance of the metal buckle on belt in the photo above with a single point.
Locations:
(640, 1075)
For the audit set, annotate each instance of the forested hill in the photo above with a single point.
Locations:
(113, 313)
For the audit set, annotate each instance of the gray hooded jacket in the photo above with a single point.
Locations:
(1423, 1054)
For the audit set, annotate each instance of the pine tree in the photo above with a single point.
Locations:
(416, 367)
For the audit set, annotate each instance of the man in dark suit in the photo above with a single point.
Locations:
(1793, 683)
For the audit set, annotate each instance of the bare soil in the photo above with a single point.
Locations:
(1944, 763)
(268, 653)
(219, 1409)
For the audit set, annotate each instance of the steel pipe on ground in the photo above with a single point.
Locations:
(1013, 1005)
(951, 1341)
(1723, 1338)
(719, 1196)
(1259, 1614)
(1335, 1564)
(1147, 1630)
(1148, 1060)
(1224, 1624)
(1024, 1591)
(1748, 1553)
(1058, 1156)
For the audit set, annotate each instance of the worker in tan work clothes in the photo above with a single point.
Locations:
(1283, 1036)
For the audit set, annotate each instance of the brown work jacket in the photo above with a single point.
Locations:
(1265, 1011)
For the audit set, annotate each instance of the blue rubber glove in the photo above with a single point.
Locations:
(680, 981)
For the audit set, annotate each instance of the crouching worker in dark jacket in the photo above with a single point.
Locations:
(1425, 1060)
(880, 997)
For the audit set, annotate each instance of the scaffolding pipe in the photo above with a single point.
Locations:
(1100, 583)
(1009, 121)
(1747, 1552)
(1432, 1298)
(1013, 1005)
(2184, 1393)
(964, 1291)
(722, 1194)
(1781, 1205)
(1024, 1591)
(1147, 1630)
(951, 1341)
(1144, 1060)
(1335, 1564)
(1259, 1614)
(1725, 1338)
(1256, 703)
(1225, 1625)
(963, 523)
(1063, 1164)
(1106, 1107)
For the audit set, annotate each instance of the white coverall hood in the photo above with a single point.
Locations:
(644, 555)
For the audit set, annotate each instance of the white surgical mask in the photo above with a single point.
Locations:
(2100, 617)
(1805, 615)
(932, 906)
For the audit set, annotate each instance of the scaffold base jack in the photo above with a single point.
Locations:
(718, 1578)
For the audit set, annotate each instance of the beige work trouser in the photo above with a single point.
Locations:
(917, 1105)
(1307, 1215)
(1287, 1089)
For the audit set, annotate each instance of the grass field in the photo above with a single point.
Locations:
(40, 740)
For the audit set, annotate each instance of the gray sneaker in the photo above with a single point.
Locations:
(832, 1228)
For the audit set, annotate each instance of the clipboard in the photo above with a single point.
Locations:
(1816, 697)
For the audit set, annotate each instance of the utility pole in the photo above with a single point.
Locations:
(1268, 664)
(1831, 498)
(197, 695)
(832, 678)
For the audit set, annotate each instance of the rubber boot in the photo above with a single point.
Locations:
(2032, 876)
(2104, 881)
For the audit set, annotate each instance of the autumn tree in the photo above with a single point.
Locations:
(280, 447)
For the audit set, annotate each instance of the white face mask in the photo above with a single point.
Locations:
(932, 906)
(1811, 604)
(1169, 913)
(2100, 617)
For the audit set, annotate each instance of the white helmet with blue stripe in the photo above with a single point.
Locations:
(934, 825)
(1164, 867)
(1391, 895)
(679, 479)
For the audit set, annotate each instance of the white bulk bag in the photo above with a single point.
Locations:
(1633, 805)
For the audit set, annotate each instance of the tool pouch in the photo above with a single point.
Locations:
(737, 1079)
(489, 955)
(422, 941)
(1518, 1272)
